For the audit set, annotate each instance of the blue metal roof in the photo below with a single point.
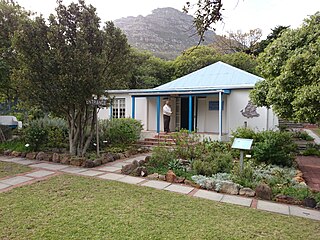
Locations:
(215, 76)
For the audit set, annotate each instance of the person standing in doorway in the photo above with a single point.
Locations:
(166, 116)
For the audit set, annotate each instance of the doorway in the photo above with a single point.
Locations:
(184, 122)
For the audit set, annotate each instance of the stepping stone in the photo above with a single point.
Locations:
(74, 170)
(49, 166)
(40, 173)
(110, 169)
(119, 164)
(209, 195)
(156, 184)
(16, 180)
(273, 207)
(3, 186)
(22, 161)
(131, 180)
(237, 200)
(179, 189)
(90, 173)
(111, 176)
(303, 212)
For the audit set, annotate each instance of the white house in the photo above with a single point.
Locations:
(212, 101)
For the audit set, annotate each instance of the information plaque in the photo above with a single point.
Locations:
(242, 143)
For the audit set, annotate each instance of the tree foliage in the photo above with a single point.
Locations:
(11, 17)
(67, 60)
(291, 68)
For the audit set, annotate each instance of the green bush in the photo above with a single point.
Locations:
(46, 132)
(302, 135)
(245, 177)
(161, 157)
(14, 145)
(120, 131)
(248, 133)
(274, 147)
(212, 163)
(188, 145)
(312, 150)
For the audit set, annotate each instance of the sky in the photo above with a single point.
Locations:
(241, 15)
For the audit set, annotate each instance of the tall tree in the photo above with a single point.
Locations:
(291, 68)
(11, 17)
(67, 61)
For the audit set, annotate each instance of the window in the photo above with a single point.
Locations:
(119, 108)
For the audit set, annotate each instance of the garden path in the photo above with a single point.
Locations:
(310, 167)
(112, 171)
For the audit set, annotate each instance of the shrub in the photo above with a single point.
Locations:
(302, 135)
(274, 147)
(120, 131)
(312, 150)
(14, 145)
(188, 145)
(161, 157)
(46, 132)
(248, 133)
(212, 163)
(245, 177)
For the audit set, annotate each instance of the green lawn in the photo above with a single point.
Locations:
(72, 207)
(10, 169)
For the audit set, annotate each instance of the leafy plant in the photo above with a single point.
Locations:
(175, 164)
(161, 157)
(120, 131)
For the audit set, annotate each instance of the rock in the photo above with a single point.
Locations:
(142, 163)
(229, 188)
(299, 179)
(23, 154)
(77, 161)
(140, 172)
(7, 152)
(162, 177)
(107, 157)
(31, 155)
(88, 163)
(65, 159)
(129, 168)
(127, 154)
(180, 180)
(209, 184)
(154, 176)
(97, 162)
(16, 154)
(287, 199)
(121, 155)
(171, 176)
(318, 206)
(56, 158)
(40, 156)
(147, 159)
(116, 156)
(192, 184)
(309, 202)
(264, 192)
(248, 192)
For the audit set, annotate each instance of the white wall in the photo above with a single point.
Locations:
(237, 101)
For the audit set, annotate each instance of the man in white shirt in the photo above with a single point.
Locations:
(166, 116)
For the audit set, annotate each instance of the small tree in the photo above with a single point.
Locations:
(67, 60)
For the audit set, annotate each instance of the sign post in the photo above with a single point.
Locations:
(97, 103)
(242, 144)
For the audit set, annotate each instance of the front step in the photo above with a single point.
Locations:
(159, 139)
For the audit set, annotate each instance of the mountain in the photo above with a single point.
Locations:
(166, 32)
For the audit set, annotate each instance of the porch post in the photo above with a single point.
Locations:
(111, 111)
(220, 116)
(133, 102)
(190, 113)
(158, 114)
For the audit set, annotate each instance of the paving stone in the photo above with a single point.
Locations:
(16, 180)
(74, 170)
(131, 180)
(90, 173)
(303, 212)
(49, 166)
(40, 173)
(22, 161)
(111, 176)
(179, 189)
(110, 169)
(273, 207)
(119, 164)
(156, 184)
(237, 200)
(3, 186)
(209, 195)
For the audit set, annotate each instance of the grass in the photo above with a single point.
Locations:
(10, 169)
(73, 207)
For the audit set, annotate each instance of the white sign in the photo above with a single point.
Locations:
(242, 143)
